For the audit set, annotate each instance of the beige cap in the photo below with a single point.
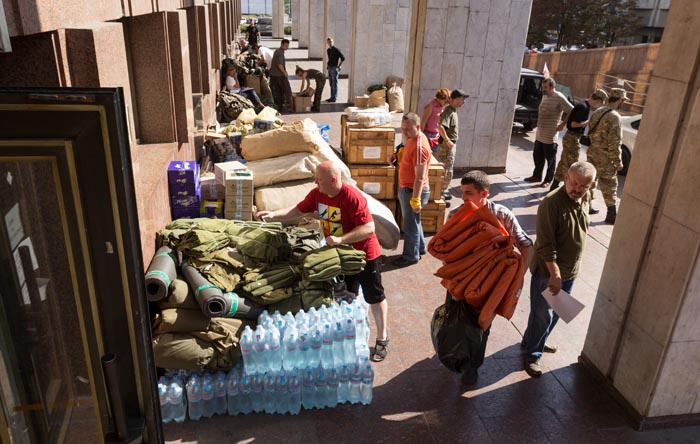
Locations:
(618, 93)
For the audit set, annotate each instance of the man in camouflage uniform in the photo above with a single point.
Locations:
(605, 152)
(575, 126)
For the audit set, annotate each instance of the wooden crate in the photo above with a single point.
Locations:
(377, 181)
(375, 152)
(385, 132)
(436, 178)
(432, 217)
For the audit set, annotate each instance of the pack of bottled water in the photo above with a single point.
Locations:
(314, 359)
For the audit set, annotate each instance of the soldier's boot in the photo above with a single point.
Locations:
(611, 216)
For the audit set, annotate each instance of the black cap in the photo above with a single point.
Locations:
(457, 93)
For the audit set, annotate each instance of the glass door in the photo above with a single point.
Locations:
(71, 273)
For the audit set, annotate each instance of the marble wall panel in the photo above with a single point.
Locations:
(304, 23)
(490, 80)
(477, 30)
(296, 11)
(317, 37)
(180, 75)
(678, 384)
(456, 33)
(687, 326)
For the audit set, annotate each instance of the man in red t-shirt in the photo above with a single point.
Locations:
(346, 219)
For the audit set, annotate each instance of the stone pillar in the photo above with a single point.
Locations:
(379, 42)
(476, 46)
(317, 28)
(296, 10)
(644, 335)
(304, 23)
(338, 24)
(181, 75)
(278, 19)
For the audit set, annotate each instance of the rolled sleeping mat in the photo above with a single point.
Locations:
(213, 302)
(161, 273)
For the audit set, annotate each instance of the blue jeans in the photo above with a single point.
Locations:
(413, 240)
(333, 79)
(542, 318)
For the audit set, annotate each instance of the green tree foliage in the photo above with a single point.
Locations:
(592, 23)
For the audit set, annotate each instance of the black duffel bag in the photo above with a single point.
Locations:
(456, 334)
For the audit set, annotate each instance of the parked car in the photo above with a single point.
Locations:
(264, 25)
(529, 96)
(630, 125)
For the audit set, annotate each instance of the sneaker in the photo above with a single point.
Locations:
(592, 210)
(331, 100)
(470, 375)
(545, 184)
(402, 262)
(533, 369)
(531, 179)
(547, 347)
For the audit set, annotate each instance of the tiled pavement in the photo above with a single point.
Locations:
(418, 401)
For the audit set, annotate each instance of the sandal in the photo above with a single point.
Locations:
(380, 349)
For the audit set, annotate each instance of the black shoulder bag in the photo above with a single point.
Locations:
(585, 139)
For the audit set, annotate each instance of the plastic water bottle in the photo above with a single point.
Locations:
(338, 345)
(294, 394)
(261, 361)
(361, 330)
(290, 353)
(367, 381)
(315, 349)
(343, 383)
(220, 393)
(194, 397)
(244, 396)
(208, 406)
(355, 387)
(176, 398)
(282, 394)
(349, 344)
(321, 385)
(308, 390)
(312, 318)
(166, 410)
(269, 393)
(327, 347)
(257, 397)
(289, 321)
(263, 317)
(274, 351)
(332, 388)
(247, 350)
(232, 393)
(300, 318)
(324, 314)
(303, 352)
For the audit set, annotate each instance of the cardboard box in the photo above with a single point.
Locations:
(238, 215)
(209, 188)
(221, 168)
(183, 178)
(377, 181)
(186, 212)
(301, 104)
(212, 208)
(239, 191)
(361, 101)
(377, 98)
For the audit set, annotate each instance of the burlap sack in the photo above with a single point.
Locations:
(390, 80)
(295, 166)
(377, 98)
(395, 98)
(302, 136)
(282, 195)
(253, 82)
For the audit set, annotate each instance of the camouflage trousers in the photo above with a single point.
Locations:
(447, 156)
(569, 155)
(606, 175)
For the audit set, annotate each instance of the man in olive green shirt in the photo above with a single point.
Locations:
(562, 227)
(449, 133)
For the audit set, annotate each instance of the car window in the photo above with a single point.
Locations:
(530, 91)
(635, 124)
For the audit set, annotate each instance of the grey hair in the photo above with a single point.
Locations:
(583, 169)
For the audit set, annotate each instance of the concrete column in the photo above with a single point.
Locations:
(304, 23)
(476, 46)
(278, 19)
(296, 10)
(338, 24)
(317, 30)
(379, 42)
(644, 336)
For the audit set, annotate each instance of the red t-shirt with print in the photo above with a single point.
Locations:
(341, 214)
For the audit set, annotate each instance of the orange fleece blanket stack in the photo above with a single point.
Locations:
(480, 263)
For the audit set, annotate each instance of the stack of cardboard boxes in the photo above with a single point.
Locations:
(184, 188)
(237, 182)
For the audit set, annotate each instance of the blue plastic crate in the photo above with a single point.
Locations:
(324, 131)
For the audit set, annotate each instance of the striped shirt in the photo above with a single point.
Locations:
(549, 116)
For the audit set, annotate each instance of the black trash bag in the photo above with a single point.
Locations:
(456, 334)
